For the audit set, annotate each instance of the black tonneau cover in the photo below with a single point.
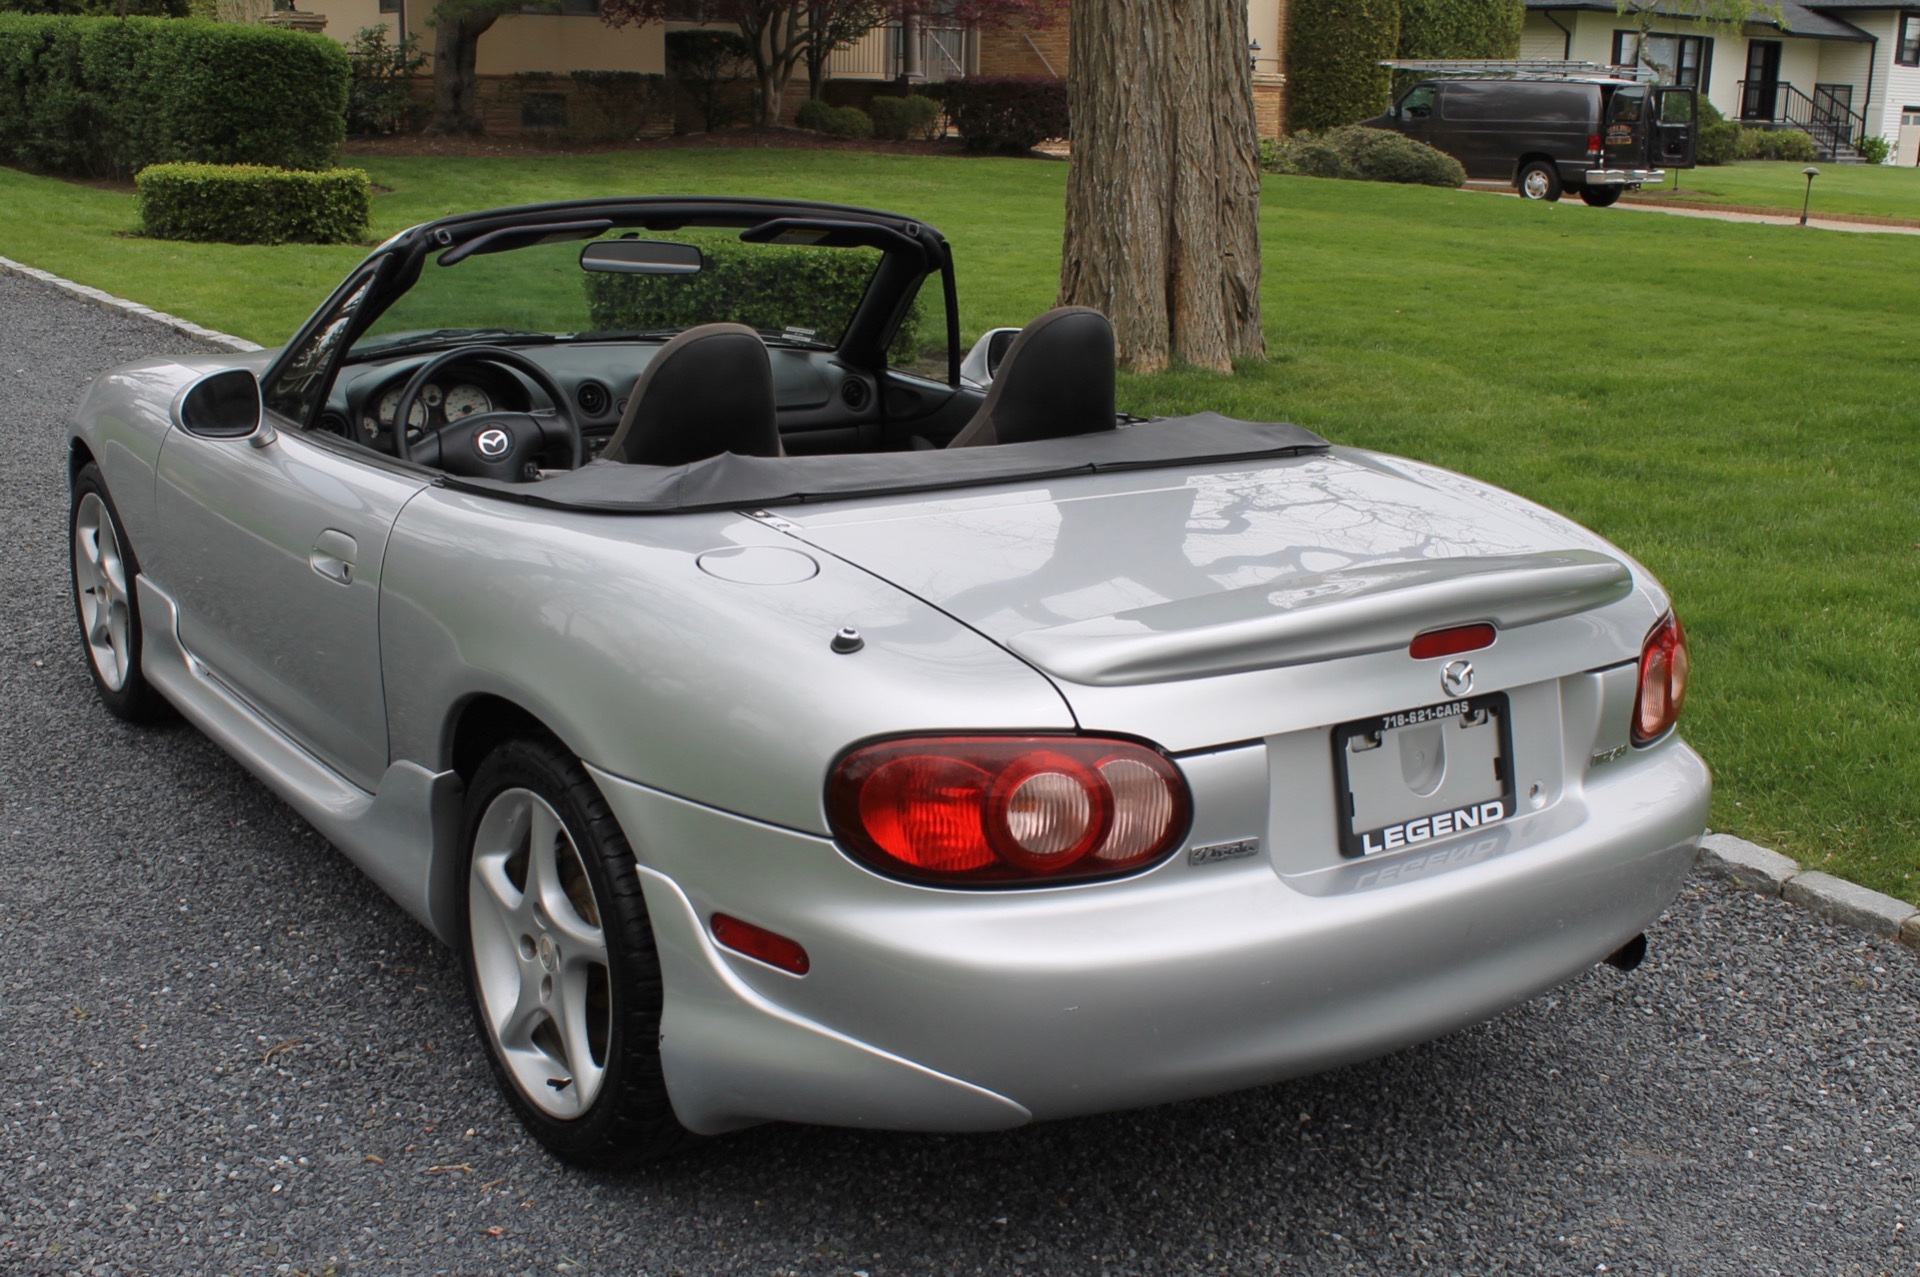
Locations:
(729, 482)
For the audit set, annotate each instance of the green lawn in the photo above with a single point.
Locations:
(1872, 190)
(1733, 403)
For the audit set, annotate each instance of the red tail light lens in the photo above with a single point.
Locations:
(1593, 143)
(1663, 681)
(1007, 810)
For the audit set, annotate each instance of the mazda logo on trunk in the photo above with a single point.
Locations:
(1457, 678)
(493, 444)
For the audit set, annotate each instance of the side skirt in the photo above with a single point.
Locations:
(403, 836)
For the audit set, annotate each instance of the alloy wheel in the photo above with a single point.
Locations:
(539, 954)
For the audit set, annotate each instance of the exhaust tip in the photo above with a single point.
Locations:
(1629, 955)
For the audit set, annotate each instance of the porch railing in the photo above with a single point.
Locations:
(895, 49)
(1832, 123)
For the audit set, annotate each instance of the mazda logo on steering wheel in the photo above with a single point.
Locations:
(492, 443)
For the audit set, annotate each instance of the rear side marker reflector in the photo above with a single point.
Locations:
(1451, 641)
(757, 942)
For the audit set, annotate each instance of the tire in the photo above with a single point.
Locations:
(1539, 180)
(106, 604)
(1601, 196)
(562, 976)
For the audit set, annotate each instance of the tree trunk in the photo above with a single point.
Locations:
(456, 87)
(1163, 192)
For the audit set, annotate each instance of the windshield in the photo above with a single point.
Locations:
(793, 295)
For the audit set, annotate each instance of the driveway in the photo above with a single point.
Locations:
(222, 1051)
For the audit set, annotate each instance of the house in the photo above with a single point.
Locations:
(523, 61)
(1837, 69)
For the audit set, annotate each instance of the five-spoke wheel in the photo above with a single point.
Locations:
(562, 973)
(104, 569)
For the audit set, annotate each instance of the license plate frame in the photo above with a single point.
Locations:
(1457, 806)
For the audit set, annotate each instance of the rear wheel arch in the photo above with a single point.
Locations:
(79, 457)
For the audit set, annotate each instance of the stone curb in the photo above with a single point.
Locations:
(107, 301)
(1754, 868)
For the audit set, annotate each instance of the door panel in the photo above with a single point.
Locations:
(273, 554)
(1676, 121)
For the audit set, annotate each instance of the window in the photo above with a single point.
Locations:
(389, 6)
(1909, 49)
(1418, 104)
(1679, 59)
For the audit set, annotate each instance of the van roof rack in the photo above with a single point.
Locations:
(1523, 68)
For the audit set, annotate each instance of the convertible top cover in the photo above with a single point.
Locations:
(729, 481)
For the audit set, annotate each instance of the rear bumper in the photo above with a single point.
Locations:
(1618, 176)
(945, 1010)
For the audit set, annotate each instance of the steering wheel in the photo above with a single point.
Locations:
(488, 445)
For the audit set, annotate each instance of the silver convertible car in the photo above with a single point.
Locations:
(787, 718)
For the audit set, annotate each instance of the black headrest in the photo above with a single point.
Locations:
(1055, 380)
(708, 391)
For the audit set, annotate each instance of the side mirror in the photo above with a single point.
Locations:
(983, 361)
(641, 257)
(223, 406)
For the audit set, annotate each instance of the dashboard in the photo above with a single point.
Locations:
(824, 406)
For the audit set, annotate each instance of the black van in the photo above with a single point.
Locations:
(1597, 134)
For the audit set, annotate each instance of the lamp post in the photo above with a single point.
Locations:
(1811, 173)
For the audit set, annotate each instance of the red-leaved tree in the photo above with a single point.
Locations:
(779, 33)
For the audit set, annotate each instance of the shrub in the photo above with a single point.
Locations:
(249, 204)
(1363, 155)
(760, 285)
(102, 8)
(1718, 140)
(379, 99)
(709, 66)
(1777, 144)
(897, 119)
(835, 121)
(1010, 114)
(106, 98)
(618, 104)
(1873, 149)
(1334, 48)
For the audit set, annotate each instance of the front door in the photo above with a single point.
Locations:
(1760, 98)
(273, 555)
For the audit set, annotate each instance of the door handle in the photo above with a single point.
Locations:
(332, 556)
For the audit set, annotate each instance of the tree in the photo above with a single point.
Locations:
(779, 33)
(1163, 192)
(457, 28)
(832, 26)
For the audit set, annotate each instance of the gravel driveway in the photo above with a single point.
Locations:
(222, 1051)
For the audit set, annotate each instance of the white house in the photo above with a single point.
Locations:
(1837, 69)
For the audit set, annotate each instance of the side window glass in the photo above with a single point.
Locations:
(301, 380)
(1418, 104)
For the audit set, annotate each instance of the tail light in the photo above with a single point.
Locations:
(1007, 810)
(1593, 144)
(1663, 681)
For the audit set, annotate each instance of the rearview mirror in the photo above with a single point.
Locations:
(641, 257)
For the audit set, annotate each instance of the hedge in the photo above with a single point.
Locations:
(102, 8)
(1777, 144)
(836, 121)
(249, 204)
(106, 98)
(1361, 154)
(898, 118)
(759, 285)
(1006, 113)
(1334, 50)
(1459, 29)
